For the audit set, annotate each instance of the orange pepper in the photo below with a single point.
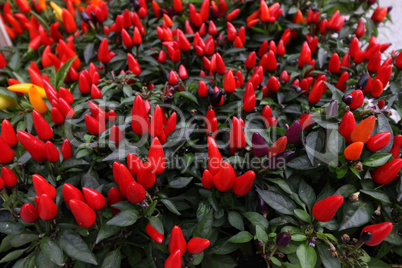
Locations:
(353, 151)
(363, 130)
(36, 100)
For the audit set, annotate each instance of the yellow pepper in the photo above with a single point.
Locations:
(24, 88)
(36, 100)
(6, 102)
(57, 9)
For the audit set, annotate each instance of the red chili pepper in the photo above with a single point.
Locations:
(266, 112)
(8, 176)
(326, 209)
(134, 164)
(363, 131)
(377, 88)
(51, 152)
(103, 53)
(83, 214)
(316, 92)
(360, 29)
(83, 84)
(341, 81)
(23, 6)
(386, 173)
(384, 74)
(28, 213)
(278, 147)
(69, 22)
(139, 122)
(174, 260)
(146, 175)
(127, 41)
(116, 135)
(57, 116)
(374, 62)
(183, 41)
(177, 241)
(237, 139)
(136, 192)
(65, 108)
(378, 141)
(244, 183)
(33, 145)
(214, 157)
(225, 178)
(273, 84)
(249, 98)
(334, 63)
(94, 198)
(173, 78)
(156, 127)
(70, 192)
(66, 94)
(154, 234)
(305, 55)
(379, 14)
(47, 208)
(230, 83)
(42, 127)
(305, 121)
(93, 125)
(124, 179)
(271, 62)
(196, 245)
(95, 92)
(396, 148)
(114, 197)
(156, 156)
(43, 187)
(207, 180)
(8, 133)
(211, 123)
(170, 125)
(378, 232)
(348, 124)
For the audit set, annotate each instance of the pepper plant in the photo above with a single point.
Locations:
(199, 134)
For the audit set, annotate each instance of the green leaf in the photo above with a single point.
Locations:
(106, 231)
(22, 239)
(377, 160)
(204, 227)
(377, 195)
(112, 260)
(298, 237)
(62, 72)
(73, 245)
(257, 219)
(187, 95)
(170, 206)
(307, 194)
(280, 203)
(356, 214)
(384, 126)
(307, 256)
(13, 255)
(11, 228)
(157, 224)
(261, 234)
(197, 258)
(52, 250)
(124, 218)
(327, 259)
(180, 182)
(241, 237)
(236, 220)
(282, 184)
(149, 210)
(301, 214)
(220, 261)
(377, 263)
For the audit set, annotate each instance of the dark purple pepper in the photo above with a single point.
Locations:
(261, 203)
(371, 2)
(210, 91)
(366, 237)
(312, 245)
(362, 83)
(283, 239)
(85, 17)
(279, 161)
(216, 98)
(213, 12)
(94, 18)
(170, 12)
(389, 9)
(332, 109)
(347, 99)
(293, 133)
(260, 148)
